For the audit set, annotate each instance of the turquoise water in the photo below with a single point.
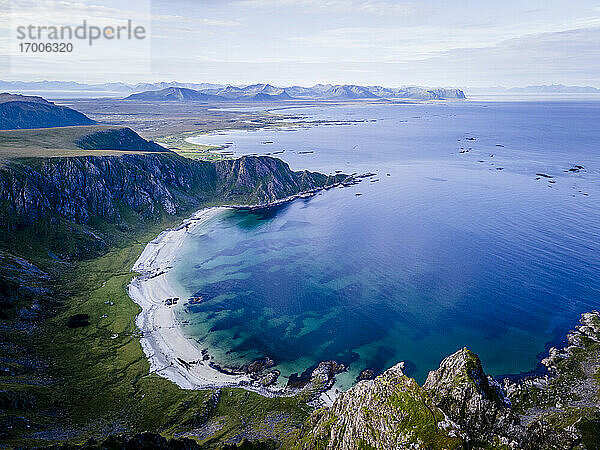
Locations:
(445, 252)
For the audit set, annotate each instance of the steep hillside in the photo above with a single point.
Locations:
(79, 189)
(6, 97)
(117, 139)
(21, 112)
(73, 141)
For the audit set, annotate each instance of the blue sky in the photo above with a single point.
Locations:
(284, 42)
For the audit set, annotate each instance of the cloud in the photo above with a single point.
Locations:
(62, 12)
(577, 45)
(379, 7)
(571, 56)
(220, 23)
(45, 9)
(194, 21)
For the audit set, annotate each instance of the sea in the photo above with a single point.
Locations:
(479, 229)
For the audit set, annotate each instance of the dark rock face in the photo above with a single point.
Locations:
(78, 321)
(259, 365)
(151, 441)
(80, 189)
(472, 399)
(139, 441)
(26, 113)
(366, 374)
(19, 279)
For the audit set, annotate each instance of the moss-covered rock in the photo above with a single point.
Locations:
(391, 411)
(459, 406)
(561, 408)
(471, 398)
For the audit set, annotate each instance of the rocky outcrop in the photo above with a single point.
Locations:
(263, 180)
(390, 412)
(459, 406)
(472, 399)
(81, 189)
(21, 280)
(320, 380)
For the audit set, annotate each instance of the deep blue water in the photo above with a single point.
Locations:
(445, 252)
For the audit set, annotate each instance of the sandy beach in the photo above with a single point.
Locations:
(170, 353)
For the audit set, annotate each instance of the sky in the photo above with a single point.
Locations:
(454, 43)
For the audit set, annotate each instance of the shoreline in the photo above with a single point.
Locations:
(170, 353)
(183, 360)
(180, 359)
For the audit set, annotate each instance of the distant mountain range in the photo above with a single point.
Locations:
(174, 94)
(175, 91)
(108, 87)
(22, 111)
(227, 93)
(267, 92)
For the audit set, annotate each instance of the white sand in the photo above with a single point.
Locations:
(163, 341)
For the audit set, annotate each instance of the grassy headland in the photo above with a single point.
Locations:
(58, 141)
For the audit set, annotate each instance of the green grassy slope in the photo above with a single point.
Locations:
(90, 383)
(59, 141)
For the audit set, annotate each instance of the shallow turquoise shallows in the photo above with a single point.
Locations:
(479, 249)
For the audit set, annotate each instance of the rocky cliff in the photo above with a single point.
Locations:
(81, 189)
(390, 412)
(459, 406)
